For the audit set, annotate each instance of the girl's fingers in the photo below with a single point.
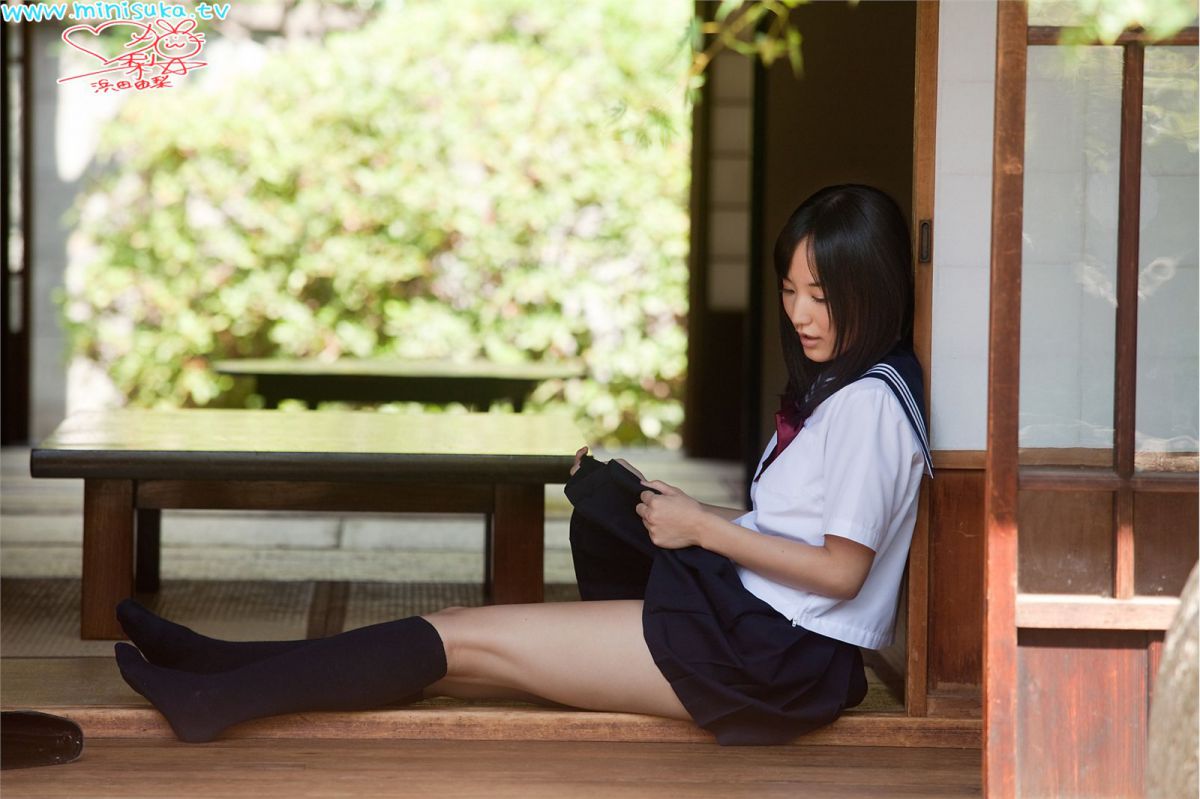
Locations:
(662, 487)
(578, 458)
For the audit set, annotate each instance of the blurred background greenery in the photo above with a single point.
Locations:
(498, 179)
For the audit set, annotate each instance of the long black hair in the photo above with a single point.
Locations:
(859, 246)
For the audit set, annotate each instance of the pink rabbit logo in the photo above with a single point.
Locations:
(153, 54)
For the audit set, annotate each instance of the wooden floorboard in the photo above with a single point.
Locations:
(266, 769)
(452, 721)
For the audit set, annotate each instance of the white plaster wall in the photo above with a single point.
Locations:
(962, 221)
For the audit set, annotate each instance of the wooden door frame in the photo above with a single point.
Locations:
(1006, 610)
(916, 693)
(911, 666)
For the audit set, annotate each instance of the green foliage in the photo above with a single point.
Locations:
(484, 178)
(761, 29)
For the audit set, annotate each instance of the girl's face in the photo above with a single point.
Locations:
(804, 304)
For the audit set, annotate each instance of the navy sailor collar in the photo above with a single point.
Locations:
(901, 372)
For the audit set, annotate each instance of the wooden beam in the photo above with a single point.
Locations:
(1004, 362)
(1083, 478)
(273, 495)
(959, 459)
(1125, 381)
(1068, 478)
(1143, 462)
(1052, 35)
(526, 723)
(1079, 612)
(1165, 482)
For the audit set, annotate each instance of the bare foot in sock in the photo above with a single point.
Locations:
(180, 696)
(174, 646)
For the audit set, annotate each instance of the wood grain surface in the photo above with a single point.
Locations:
(323, 768)
(198, 444)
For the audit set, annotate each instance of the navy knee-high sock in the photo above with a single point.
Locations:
(165, 643)
(356, 670)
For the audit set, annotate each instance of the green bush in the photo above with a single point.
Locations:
(478, 178)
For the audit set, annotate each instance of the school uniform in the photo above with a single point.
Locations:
(752, 660)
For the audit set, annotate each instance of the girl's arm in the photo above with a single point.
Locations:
(837, 569)
(729, 514)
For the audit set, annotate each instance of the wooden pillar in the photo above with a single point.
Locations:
(1004, 360)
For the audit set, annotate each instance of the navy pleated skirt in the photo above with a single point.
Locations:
(739, 667)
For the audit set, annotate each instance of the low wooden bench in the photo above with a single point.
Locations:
(476, 384)
(136, 463)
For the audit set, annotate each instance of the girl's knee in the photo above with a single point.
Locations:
(453, 626)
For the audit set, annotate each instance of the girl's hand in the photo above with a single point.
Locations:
(673, 519)
(578, 459)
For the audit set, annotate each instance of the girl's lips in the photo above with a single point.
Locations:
(808, 341)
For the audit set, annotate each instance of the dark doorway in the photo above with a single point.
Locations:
(15, 205)
(847, 119)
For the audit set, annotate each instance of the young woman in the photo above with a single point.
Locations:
(748, 623)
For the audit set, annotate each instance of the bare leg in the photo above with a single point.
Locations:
(466, 690)
(588, 655)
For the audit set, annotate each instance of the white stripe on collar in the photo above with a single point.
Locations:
(889, 375)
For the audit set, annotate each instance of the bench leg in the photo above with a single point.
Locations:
(516, 537)
(149, 550)
(107, 555)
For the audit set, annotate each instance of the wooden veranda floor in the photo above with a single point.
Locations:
(265, 769)
(447, 748)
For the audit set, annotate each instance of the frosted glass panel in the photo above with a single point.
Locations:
(1069, 13)
(1068, 302)
(1167, 403)
(1055, 12)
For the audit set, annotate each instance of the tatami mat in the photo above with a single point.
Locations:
(41, 616)
(369, 603)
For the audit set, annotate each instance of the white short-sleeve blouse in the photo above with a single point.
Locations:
(854, 470)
